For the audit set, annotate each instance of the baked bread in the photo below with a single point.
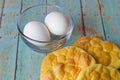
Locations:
(105, 52)
(99, 72)
(65, 64)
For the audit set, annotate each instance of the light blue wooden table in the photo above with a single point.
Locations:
(91, 17)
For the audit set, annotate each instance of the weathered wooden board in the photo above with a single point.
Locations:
(111, 19)
(28, 62)
(29, 3)
(92, 18)
(74, 9)
(8, 38)
(2, 2)
(28, 66)
(100, 17)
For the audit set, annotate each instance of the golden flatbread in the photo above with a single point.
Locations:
(65, 64)
(99, 72)
(105, 52)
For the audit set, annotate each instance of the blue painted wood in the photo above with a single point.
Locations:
(28, 63)
(92, 19)
(72, 7)
(28, 67)
(28, 3)
(111, 19)
(8, 40)
(1, 11)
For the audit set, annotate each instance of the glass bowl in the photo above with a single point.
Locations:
(38, 13)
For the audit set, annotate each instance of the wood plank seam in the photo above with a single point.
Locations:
(15, 73)
(2, 12)
(82, 16)
(16, 58)
(100, 9)
(21, 6)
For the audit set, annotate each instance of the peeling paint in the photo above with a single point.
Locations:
(0, 72)
(101, 6)
(90, 30)
(3, 14)
(30, 75)
(11, 1)
(108, 17)
(80, 27)
(119, 8)
(38, 78)
(87, 29)
(34, 69)
(96, 13)
(2, 57)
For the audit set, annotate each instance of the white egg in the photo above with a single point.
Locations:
(36, 31)
(57, 23)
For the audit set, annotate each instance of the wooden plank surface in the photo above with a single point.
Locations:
(8, 40)
(92, 18)
(111, 19)
(2, 2)
(28, 3)
(28, 62)
(74, 9)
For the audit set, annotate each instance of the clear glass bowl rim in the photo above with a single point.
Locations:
(63, 36)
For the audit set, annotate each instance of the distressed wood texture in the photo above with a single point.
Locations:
(111, 17)
(74, 8)
(8, 38)
(28, 62)
(91, 17)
